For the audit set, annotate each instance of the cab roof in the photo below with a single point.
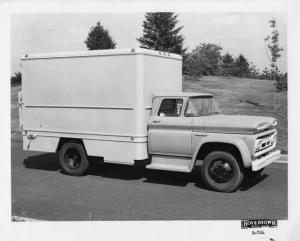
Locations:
(182, 94)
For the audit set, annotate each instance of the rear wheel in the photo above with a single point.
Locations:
(221, 171)
(73, 159)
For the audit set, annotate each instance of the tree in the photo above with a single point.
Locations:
(16, 79)
(282, 82)
(227, 65)
(160, 33)
(205, 59)
(265, 74)
(254, 72)
(272, 42)
(241, 67)
(99, 38)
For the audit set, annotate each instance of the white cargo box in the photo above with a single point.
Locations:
(103, 97)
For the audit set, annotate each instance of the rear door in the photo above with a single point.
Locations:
(170, 133)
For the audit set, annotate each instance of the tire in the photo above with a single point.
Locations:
(253, 174)
(73, 159)
(222, 172)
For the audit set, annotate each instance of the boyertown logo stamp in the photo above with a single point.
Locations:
(259, 223)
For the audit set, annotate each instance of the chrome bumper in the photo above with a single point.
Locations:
(260, 163)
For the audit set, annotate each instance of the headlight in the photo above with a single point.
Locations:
(257, 144)
(274, 123)
(262, 126)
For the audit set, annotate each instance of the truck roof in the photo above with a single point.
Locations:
(105, 52)
(181, 94)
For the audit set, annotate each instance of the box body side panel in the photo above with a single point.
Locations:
(100, 99)
(86, 81)
(87, 94)
(79, 121)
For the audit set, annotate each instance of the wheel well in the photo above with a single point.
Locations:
(219, 146)
(64, 140)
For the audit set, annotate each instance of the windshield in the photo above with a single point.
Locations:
(202, 106)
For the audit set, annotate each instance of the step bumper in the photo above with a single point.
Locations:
(265, 161)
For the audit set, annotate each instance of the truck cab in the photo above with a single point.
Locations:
(189, 128)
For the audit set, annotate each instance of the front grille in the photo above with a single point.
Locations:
(264, 142)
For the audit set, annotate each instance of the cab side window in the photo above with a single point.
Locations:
(170, 107)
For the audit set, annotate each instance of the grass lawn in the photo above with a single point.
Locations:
(234, 96)
(241, 96)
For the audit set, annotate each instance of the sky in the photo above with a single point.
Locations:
(235, 32)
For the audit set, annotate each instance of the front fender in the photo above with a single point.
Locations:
(237, 142)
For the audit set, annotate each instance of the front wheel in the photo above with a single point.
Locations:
(221, 171)
(73, 159)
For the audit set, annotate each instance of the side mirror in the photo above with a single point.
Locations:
(189, 113)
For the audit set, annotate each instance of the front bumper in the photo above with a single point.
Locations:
(260, 163)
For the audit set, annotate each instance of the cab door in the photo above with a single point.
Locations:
(170, 132)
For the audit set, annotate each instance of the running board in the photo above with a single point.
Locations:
(170, 163)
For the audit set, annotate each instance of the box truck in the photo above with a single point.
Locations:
(127, 106)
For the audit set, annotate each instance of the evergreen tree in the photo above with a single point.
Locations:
(227, 65)
(160, 33)
(241, 66)
(254, 72)
(99, 38)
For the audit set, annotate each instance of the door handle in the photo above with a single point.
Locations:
(156, 121)
(204, 135)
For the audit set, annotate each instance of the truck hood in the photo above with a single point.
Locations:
(235, 123)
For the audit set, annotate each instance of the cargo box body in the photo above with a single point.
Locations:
(102, 97)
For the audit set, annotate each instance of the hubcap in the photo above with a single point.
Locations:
(72, 158)
(220, 171)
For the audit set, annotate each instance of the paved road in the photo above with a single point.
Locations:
(117, 192)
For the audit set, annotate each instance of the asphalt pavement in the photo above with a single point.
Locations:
(118, 192)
